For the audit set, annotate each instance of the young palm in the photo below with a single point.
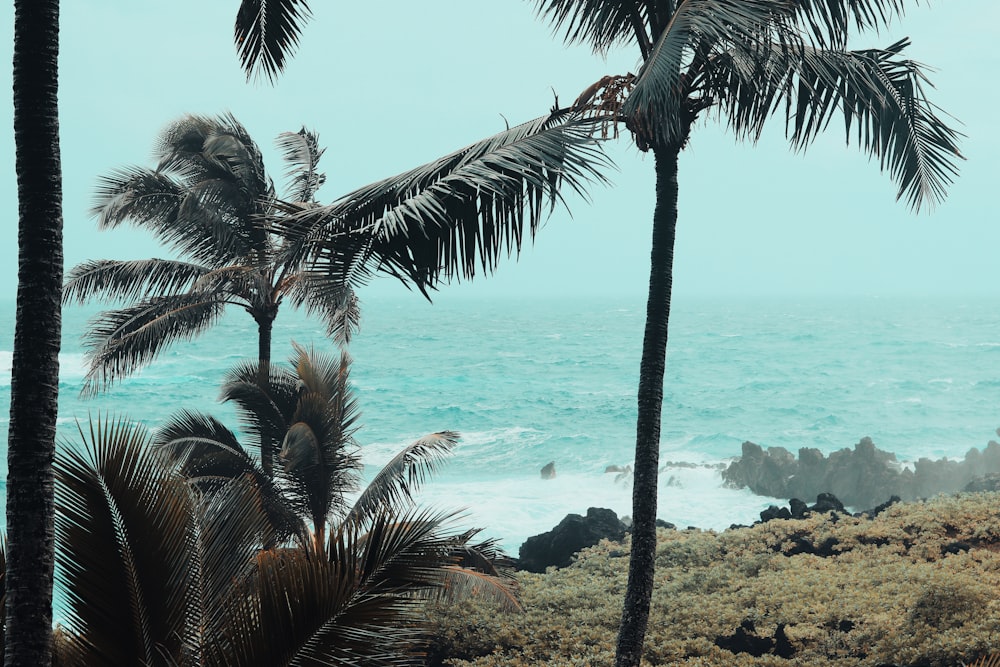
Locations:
(156, 572)
(746, 60)
(310, 409)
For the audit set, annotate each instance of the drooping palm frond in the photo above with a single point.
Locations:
(604, 24)
(395, 484)
(481, 570)
(267, 32)
(359, 603)
(880, 96)
(126, 539)
(129, 280)
(328, 298)
(119, 342)
(830, 21)
(466, 209)
(301, 152)
(223, 170)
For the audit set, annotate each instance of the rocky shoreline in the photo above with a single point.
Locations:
(865, 476)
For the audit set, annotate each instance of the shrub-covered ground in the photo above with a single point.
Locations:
(917, 585)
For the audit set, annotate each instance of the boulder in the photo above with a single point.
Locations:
(558, 546)
(549, 470)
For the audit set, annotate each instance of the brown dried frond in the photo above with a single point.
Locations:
(604, 98)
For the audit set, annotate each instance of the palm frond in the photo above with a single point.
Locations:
(467, 208)
(396, 483)
(260, 411)
(326, 297)
(481, 570)
(125, 533)
(223, 171)
(209, 455)
(600, 23)
(119, 342)
(267, 32)
(359, 605)
(883, 102)
(234, 524)
(192, 219)
(129, 280)
(830, 21)
(301, 152)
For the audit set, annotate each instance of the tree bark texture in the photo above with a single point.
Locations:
(265, 323)
(38, 327)
(639, 591)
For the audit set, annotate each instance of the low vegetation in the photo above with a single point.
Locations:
(914, 586)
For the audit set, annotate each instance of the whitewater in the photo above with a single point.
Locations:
(528, 382)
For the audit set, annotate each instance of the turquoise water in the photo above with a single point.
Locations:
(528, 382)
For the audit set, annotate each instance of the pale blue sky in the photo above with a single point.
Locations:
(393, 84)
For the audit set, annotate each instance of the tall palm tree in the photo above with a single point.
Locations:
(37, 332)
(158, 573)
(746, 60)
(210, 199)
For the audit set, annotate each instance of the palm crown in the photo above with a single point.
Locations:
(751, 59)
(210, 200)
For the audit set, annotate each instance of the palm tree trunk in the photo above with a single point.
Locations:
(37, 332)
(265, 322)
(635, 612)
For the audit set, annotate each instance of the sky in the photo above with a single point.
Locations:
(394, 84)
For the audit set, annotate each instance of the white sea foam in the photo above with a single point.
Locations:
(513, 509)
(72, 366)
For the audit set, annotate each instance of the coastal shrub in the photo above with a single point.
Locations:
(915, 585)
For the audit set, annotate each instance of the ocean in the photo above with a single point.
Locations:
(528, 382)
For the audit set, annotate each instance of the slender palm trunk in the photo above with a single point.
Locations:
(265, 322)
(37, 332)
(635, 612)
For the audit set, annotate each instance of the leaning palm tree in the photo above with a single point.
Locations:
(156, 572)
(744, 60)
(209, 198)
(34, 387)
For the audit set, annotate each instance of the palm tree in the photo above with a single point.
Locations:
(309, 407)
(37, 332)
(746, 60)
(158, 573)
(211, 200)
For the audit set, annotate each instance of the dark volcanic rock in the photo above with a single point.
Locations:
(745, 640)
(861, 477)
(989, 482)
(557, 546)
